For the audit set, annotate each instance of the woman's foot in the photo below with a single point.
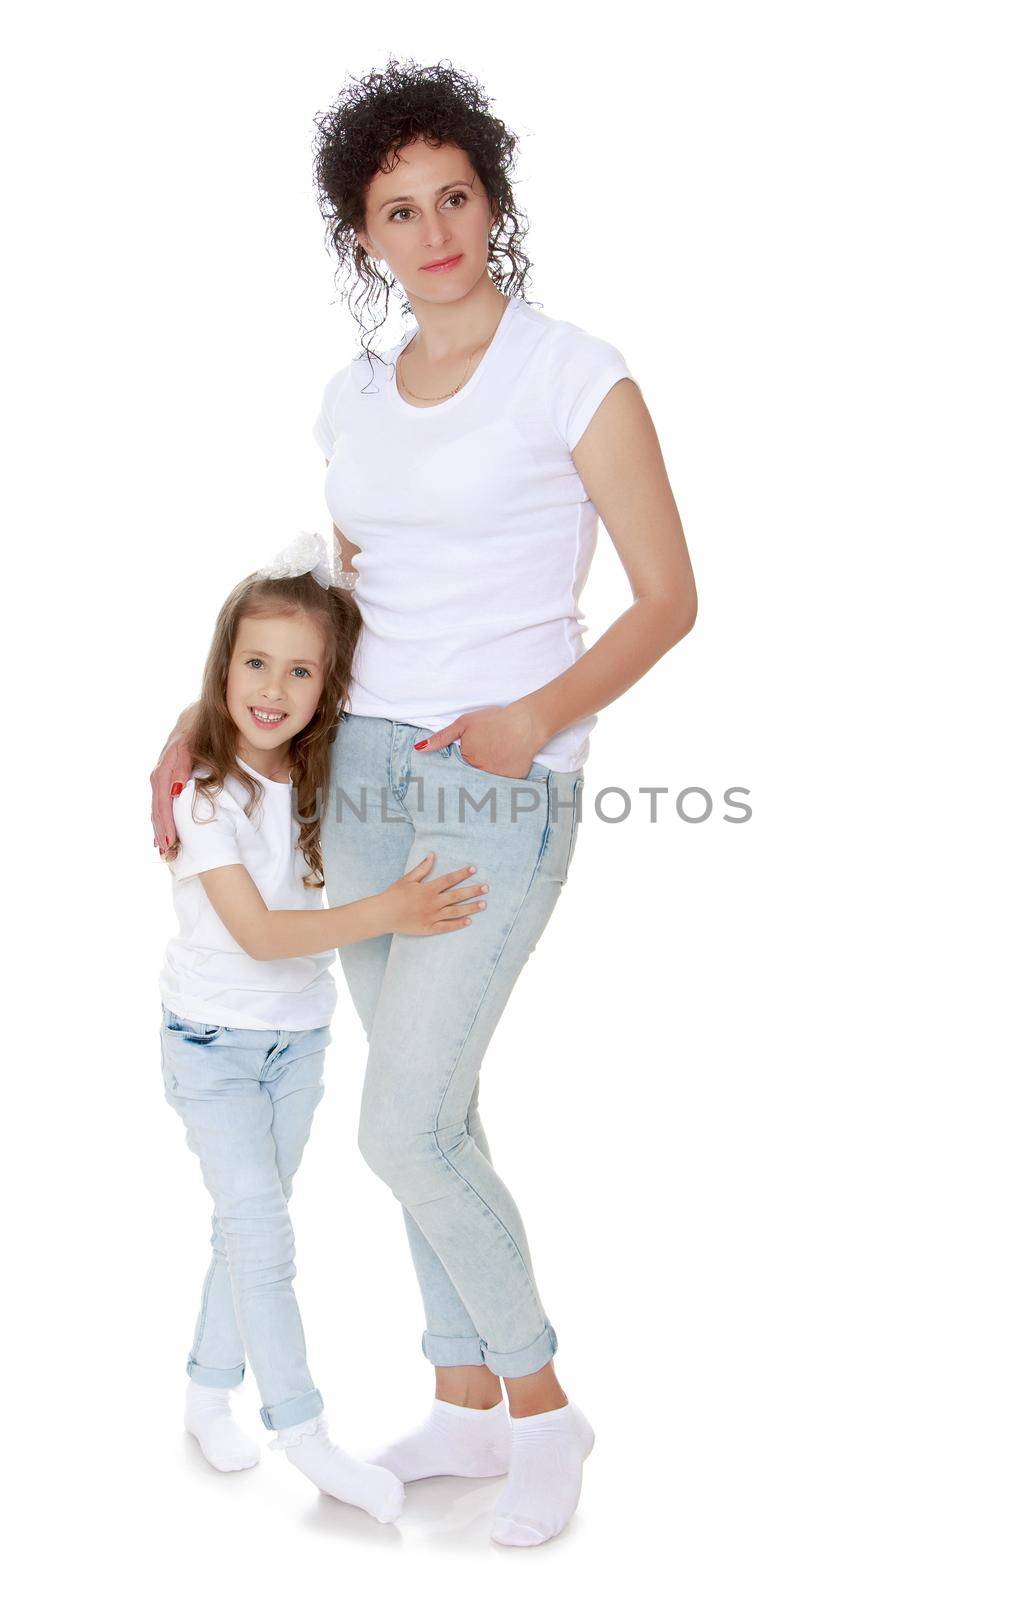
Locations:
(453, 1442)
(308, 1447)
(208, 1417)
(545, 1478)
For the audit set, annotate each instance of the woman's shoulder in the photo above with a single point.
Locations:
(561, 337)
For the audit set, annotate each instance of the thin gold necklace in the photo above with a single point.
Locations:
(463, 380)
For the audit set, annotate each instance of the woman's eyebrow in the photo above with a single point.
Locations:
(460, 183)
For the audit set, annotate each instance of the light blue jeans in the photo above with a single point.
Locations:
(429, 1005)
(247, 1097)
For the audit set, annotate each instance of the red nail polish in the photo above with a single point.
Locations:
(420, 744)
(176, 789)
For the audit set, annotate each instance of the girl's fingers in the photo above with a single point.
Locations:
(422, 868)
(447, 879)
(461, 911)
(468, 892)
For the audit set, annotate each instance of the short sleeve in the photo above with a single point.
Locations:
(583, 370)
(210, 841)
(325, 428)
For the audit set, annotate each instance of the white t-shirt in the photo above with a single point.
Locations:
(207, 977)
(474, 528)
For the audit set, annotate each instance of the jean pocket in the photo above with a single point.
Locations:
(536, 773)
(197, 1032)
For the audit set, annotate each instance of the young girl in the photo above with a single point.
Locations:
(247, 992)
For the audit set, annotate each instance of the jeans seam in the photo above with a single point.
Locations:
(474, 1017)
(203, 1318)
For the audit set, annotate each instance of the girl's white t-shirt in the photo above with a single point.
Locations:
(207, 977)
(474, 528)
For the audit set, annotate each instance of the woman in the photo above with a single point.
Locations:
(465, 472)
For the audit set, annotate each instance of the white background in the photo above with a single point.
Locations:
(763, 1094)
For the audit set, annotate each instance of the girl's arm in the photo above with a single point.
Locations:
(410, 905)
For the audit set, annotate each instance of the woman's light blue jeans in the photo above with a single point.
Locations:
(429, 1005)
(247, 1097)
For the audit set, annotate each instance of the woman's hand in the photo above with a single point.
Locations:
(175, 765)
(500, 740)
(413, 906)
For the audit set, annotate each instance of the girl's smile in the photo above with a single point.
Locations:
(273, 685)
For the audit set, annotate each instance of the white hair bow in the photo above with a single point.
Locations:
(308, 553)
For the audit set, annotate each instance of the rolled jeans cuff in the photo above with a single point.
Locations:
(452, 1350)
(288, 1412)
(215, 1377)
(521, 1363)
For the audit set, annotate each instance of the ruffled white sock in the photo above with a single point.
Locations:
(453, 1441)
(208, 1417)
(545, 1478)
(309, 1448)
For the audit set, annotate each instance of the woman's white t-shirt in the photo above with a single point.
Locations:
(474, 529)
(207, 977)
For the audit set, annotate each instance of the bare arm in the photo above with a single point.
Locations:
(410, 905)
(620, 463)
(174, 767)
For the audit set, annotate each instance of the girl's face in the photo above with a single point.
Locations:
(430, 206)
(276, 677)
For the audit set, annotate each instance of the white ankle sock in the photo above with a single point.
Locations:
(309, 1448)
(453, 1441)
(207, 1416)
(545, 1478)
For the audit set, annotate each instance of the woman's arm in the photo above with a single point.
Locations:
(410, 905)
(621, 466)
(175, 765)
(620, 463)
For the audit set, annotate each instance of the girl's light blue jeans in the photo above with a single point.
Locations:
(429, 1005)
(247, 1097)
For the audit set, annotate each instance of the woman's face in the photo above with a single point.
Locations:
(275, 679)
(432, 205)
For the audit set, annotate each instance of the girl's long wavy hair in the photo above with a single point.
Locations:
(373, 117)
(215, 736)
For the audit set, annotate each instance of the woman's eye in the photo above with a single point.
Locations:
(458, 194)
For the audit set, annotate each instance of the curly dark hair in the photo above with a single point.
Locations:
(375, 116)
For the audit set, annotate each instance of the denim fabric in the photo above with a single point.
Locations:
(247, 1097)
(429, 1005)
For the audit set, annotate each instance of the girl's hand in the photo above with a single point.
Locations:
(437, 906)
(175, 765)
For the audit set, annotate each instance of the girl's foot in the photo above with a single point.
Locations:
(208, 1417)
(545, 1478)
(453, 1442)
(309, 1448)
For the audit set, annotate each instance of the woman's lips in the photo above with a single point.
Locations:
(276, 719)
(444, 266)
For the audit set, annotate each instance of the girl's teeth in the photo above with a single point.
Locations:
(263, 717)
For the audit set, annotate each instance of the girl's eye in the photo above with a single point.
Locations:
(457, 194)
(304, 670)
(254, 662)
